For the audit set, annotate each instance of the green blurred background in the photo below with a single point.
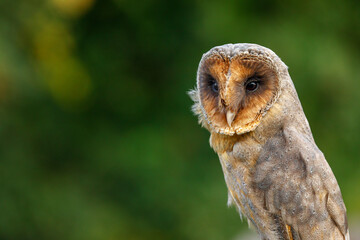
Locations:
(97, 137)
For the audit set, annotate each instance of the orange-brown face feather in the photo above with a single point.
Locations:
(231, 77)
(214, 69)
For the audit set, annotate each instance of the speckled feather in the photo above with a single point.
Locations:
(275, 174)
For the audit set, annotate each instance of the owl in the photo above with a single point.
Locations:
(275, 174)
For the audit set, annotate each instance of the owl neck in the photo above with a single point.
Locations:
(286, 112)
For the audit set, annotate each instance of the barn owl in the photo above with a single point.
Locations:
(276, 175)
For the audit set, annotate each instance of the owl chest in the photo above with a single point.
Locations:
(238, 178)
(238, 155)
(237, 182)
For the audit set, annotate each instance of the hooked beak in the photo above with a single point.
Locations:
(230, 115)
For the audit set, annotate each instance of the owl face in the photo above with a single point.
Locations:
(237, 84)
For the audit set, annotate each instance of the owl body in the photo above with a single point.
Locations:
(275, 174)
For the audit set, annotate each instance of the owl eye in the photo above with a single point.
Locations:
(252, 86)
(213, 85)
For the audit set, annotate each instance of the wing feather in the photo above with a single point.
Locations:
(298, 185)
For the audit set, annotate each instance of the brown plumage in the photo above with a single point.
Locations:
(275, 174)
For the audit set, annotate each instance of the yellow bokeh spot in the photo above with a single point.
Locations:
(72, 8)
(62, 72)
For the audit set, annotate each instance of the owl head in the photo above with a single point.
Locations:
(236, 86)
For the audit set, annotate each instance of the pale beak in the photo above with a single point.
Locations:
(230, 117)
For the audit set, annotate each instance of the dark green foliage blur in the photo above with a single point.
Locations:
(97, 138)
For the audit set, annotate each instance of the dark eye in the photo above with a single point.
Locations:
(252, 86)
(214, 86)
